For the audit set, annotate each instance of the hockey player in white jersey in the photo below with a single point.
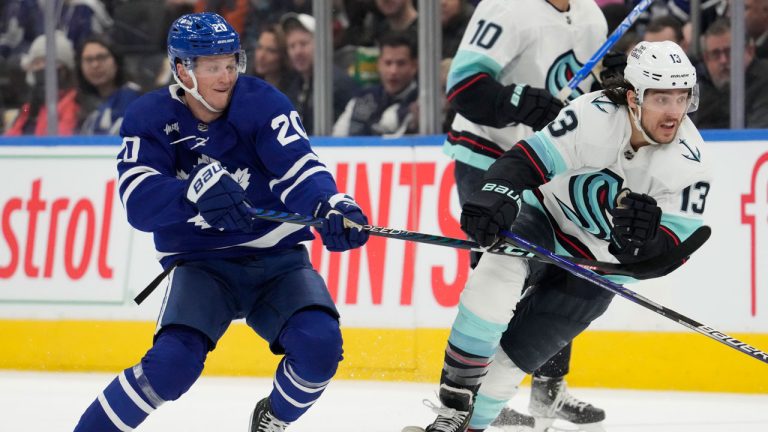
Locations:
(620, 174)
(515, 55)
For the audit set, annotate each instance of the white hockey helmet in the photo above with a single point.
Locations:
(661, 66)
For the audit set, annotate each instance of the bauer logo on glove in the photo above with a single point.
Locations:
(502, 190)
(206, 177)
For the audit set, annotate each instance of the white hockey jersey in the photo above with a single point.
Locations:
(520, 42)
(587, 154)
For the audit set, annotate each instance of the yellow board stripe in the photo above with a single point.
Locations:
(609, 359)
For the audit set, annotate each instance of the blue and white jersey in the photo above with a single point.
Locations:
(259, 139)
(107, 118)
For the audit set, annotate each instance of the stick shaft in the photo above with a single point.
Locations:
(634, 297)
(600, 53)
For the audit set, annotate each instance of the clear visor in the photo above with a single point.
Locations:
(671, 101)
(215, 65)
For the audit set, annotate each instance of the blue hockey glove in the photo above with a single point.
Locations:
(488, 211)
(339, 232)
(219, 198)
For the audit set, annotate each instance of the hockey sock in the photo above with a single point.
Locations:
(498, 387)
(312, 342)
(471, 345)
(168, 369)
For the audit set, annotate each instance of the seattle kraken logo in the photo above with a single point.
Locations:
(561, 71)
(592, 196)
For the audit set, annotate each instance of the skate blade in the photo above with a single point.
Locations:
(413, 429)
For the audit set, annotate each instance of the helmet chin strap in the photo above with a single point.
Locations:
(193, 91)
(639, 126)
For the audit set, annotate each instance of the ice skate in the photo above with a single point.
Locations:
(551, 401)
(454, 413)
(510, 420)
(263, 420)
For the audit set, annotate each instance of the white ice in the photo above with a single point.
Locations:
(50, 402)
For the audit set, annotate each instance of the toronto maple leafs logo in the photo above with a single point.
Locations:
(561, 71)
(241, 175)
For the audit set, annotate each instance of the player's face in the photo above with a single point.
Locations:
(98, 65)
(301, 46)
(396, 68)
(663, 112)
(267, 55)
(216, 77)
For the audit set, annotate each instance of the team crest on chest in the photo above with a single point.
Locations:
(562, 70)
(591, 196)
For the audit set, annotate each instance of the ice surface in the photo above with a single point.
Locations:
(48, 402)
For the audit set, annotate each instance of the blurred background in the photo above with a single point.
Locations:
(107, 52)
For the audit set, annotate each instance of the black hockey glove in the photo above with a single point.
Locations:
(219, 198)
(491, 209)
(636, 220)
(613, 66)
(531, 106)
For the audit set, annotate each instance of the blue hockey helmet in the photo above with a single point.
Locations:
(202, 34)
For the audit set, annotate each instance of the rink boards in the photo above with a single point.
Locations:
(70, 266)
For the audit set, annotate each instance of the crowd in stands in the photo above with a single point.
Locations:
(109, 52)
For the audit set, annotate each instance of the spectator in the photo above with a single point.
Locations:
(455, 15)
(665, 28)
(139, 27)
(756, 17)
(714, 106)
(81, 19)
(299, 32)
(362, 16)
(234, 11)
(104, 91)
(399, 16)
(270, 58)
(32, 117)
(19, 26)
(387, 108)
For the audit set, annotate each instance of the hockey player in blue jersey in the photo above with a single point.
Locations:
(195, 157)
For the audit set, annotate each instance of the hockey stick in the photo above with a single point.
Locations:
(639, 270)
(585, 70)
(632, 296)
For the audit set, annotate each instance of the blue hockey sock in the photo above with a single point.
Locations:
(122, 406)
(168, 369)
(312, 342)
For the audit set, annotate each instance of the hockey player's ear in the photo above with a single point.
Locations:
(183, 74)
(632, 99)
